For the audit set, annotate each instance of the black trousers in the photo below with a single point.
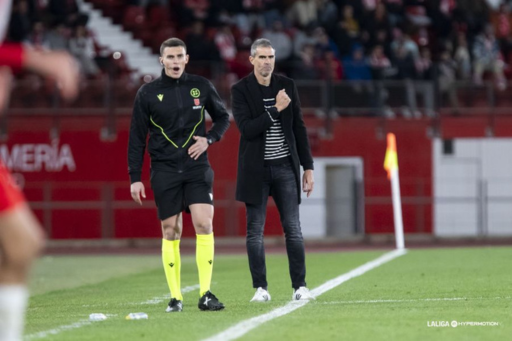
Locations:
(281, 182)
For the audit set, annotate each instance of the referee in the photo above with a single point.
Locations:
(172, 110)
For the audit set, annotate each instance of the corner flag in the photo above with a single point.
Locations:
(391, 166)
(391, 159)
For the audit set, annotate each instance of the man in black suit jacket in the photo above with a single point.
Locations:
(273, 145)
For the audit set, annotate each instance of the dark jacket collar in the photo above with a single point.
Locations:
(274, 80)
(171, 81)
(255, 91)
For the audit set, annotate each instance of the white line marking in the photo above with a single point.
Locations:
(243, 327)
(58, 330)
(417, 300)
(83, 323)
(154, 300)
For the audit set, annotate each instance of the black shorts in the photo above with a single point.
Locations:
(175, 192)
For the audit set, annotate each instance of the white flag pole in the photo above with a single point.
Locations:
(397, 209)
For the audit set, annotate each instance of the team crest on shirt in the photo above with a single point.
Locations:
(197, 103)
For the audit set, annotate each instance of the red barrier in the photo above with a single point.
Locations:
(78, 185)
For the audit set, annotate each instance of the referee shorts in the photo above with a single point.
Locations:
(175, 192)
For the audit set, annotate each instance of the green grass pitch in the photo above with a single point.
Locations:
(408, 298)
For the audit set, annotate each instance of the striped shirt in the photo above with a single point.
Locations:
(275, 144)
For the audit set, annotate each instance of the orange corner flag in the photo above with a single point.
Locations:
(391, 159)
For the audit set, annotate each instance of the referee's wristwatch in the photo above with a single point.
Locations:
(209, 140)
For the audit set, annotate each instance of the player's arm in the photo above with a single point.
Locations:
(220, 118)
(137, 145)
(59, 66)
(302, 143)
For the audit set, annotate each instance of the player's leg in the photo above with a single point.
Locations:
(199, 199)
(21, 239)
(171, 230)
(256, 216)
(202, 218)
(168, 193)
(286, 197)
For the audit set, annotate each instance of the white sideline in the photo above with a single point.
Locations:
(243, 327)
(419, 300)
(82, 323)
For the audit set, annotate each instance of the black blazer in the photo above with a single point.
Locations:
(253, 121)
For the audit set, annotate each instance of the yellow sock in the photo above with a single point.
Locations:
(177, 266)
(172, 265)
(204, 260)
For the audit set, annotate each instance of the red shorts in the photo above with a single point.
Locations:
(10, 194)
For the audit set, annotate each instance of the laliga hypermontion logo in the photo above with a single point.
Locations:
(34, 157)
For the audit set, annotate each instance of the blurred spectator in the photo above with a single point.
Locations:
(302, 13)
(81, 46)
(65, 11)
(424, 65)
(324, 43)
(501, 21)
(404, 62)
(403, 41)
(305, 67)
(382, 69)
(301, 38)
(272, 11)
(356, 66)
(487, 56)
(380, 64)
(417, 15)
(225, 43)
(376, 28)
(395, 11)
(382, 38)
(199, 48)
(39, 37)
(20, 24)
(447, 77)
(349, 23)
(330, 67)
(425, 80)
(357, 6)
(249, 17)
(440, 11)
(475, 14)
(346, 32)
(198, 8)
(406, 70)
(58, 37)
(281, 41)
(462, 57)
(327, 14)
(241, 66)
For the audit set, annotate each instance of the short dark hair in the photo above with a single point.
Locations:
(262, 42)
(172, 42)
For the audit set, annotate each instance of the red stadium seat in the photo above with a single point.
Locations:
(161, 35)
(134, 18)
(158, 16)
